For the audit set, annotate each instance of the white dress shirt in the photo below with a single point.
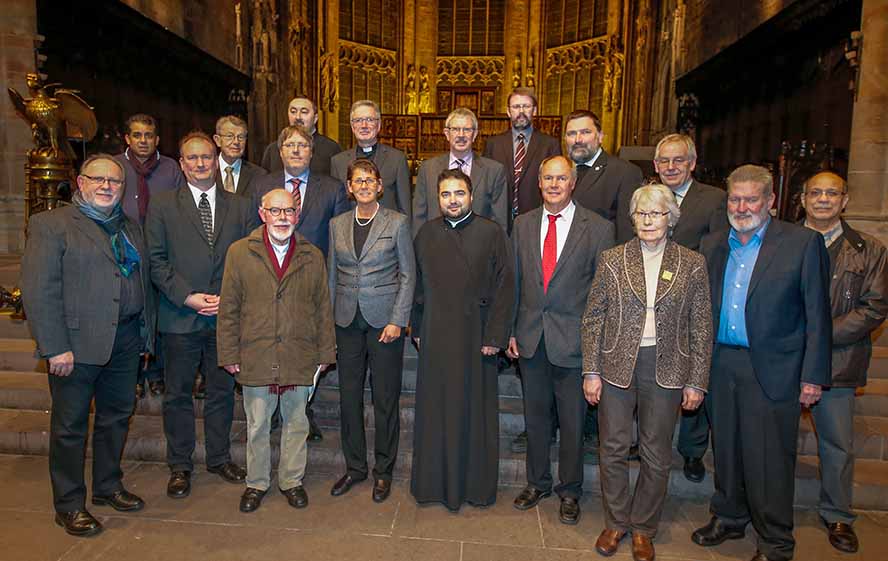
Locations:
(562, 228)
(211, 197)
(235, 170)
(280, 251)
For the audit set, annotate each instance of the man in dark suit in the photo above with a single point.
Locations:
(556, 253)
(702, 211)
(234, 174)
(771, 312)
(86, 290)
(521, 150)
(489, 191)
(188, 233)
(391, 162)
(605, 183)
(303, 112)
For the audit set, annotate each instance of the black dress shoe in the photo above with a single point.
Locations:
(569, 513)
(157, 387)
(314, 431)
(179, 485)
(78, 523)
(199, 389)
(519, 443)
(140, 390)
(251, 499)
(717, 532)
(296, 496)
(381, 490)
(342, 486)
(842, 537)
(122, 500)
(694, 469)
(229, 471)
(530, 497)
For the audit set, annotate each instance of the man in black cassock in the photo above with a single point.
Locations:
(465, 293)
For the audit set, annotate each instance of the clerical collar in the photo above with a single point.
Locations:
(455, 223)
(831, 235)
(366, 151)
(593, 159)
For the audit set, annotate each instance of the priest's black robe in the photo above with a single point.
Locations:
(465, 293)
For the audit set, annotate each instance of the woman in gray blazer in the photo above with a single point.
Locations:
(647, 343)
(371, 270)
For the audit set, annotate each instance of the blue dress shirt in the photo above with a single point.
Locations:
(738, 272)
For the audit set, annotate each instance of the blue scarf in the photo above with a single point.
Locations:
(125, 253)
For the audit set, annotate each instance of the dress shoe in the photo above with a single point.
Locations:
(608, 541)
(199, 389)
(78, 523)
(179, 485)
(314, 431)
(759, 556)
(122, 500)
(140, 390)
(642, 548)
(229, 471)
(569, 513)
(296, 496)
(717, 532)
(694, 469)
(344, 484)
(251, 499)
(530, 497)
(381, 490)
(842, 537)
(519, 443)
(156, 387)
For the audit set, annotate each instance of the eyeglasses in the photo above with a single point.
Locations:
(100, 180)
(229, 137)
(369, 182)
(653, 215)
(830, 193)
(364, 120)
(276, 211)
(679, 161)
(299, 145)
(522, 107)
(460, 130)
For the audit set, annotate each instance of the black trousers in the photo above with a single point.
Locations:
(693, 433)
(545, 385)
(754, 443)
(154, 371)
(184, 353)
(355, 346)
(114, 387)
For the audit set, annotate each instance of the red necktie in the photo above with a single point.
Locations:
(297, 196)
(550, 251)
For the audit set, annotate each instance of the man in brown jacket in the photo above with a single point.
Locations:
(275, 334)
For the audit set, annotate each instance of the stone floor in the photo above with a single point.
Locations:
(208, 526)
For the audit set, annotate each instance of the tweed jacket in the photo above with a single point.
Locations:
(615, 313)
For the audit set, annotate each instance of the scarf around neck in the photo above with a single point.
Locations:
(125, 253)
(143, 170)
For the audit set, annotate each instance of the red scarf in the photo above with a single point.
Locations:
(143, 170)
(279, 269)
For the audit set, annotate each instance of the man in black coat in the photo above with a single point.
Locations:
(303, 112)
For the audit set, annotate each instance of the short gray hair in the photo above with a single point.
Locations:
(658, 195)
(676, 138)
(232, 119)
(754, 174)
(462, 112)
(364, 103)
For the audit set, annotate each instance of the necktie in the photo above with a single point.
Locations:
(459, 164)
(206, 217)
(228, 184)
(297, 196)
(520, 155)
(550, 250)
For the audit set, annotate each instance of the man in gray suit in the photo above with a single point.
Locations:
(556, 252)
(391, 162)
(85, 287)
(489, 191)
(234, 174)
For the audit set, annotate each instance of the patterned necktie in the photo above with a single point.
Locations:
(550, 250)
(206, 217)
(459, 164)
(297, 196)
(520, 156)
(228, 184)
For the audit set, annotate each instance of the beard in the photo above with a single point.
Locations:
(748, 223)
(461, 213)
(280, 238)
(581, 153)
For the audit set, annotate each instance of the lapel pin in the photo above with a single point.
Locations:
(597, 168)
(667, 275)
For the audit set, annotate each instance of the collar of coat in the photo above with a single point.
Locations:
(302, 248)
(633, 264)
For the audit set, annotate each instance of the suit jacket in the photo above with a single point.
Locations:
(248, 174)
(182, 261)
(71, 286)
(392, 165)
(703, 210)
(489, 193)
(324, 198)
(554, 316)
(540, 147)
(381, 279)
(322, 151)
(788, 320)
(607, 189)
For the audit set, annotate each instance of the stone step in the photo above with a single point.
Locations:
(13, 329)
(872, 400)
(19, 354)
(879, 363)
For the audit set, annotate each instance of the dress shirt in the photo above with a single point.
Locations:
(303, 183)
(211, 198)
(653, 259)
(526, 132)
(467, 166)
(830, 236)
(592, 160)
(738, 272)
(682, 191)
(235, 169)
(280, 251)
(562, 227)
(455, 223)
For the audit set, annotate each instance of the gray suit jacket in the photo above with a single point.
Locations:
(392, 165)
(71, 286)
(489, 191)
(555, 316)
(381, 280)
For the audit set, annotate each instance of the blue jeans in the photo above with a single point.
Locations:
(259, 405)
(834, 424)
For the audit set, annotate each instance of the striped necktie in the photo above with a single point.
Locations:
(297, 196)
(206, 217)
(520, 156)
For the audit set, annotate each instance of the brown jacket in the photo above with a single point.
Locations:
(857, 292)
(614, 319)
(278, 332)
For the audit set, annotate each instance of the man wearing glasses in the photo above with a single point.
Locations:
(391, 162)
(489, 192)
(303, 112)
(234, 174)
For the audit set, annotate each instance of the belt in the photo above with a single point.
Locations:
(732, 347)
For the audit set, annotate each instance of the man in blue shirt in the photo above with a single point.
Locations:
(770, 304)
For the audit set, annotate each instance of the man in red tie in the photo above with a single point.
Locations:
(557, 248)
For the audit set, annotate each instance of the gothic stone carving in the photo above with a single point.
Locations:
(470, 71)
(586, 54)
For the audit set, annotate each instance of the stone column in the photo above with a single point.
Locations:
(868, 165)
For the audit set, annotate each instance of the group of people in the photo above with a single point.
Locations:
(645, 303)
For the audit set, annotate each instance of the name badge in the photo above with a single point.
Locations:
(666, 276)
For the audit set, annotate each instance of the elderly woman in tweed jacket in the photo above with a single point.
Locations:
(647, 343)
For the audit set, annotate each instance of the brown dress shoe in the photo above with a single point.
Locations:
(842, 537)
(642, 548)
(608, 541)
